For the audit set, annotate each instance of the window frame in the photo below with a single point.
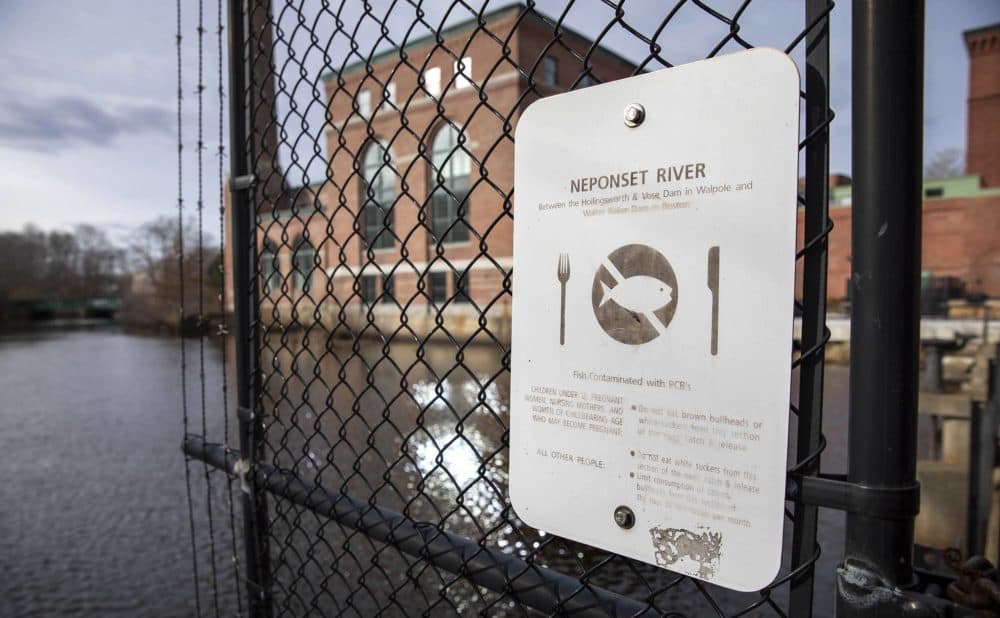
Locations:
(390, 93)
(460, 283)
(365, 103)
(302, 281)
(368, 290)
(463, 78)
(380, 201)
(432, 81)
(270, 268)
(437, 281)
(451, 183)
(388, 288)
(550, 71)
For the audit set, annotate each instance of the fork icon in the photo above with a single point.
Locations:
(562, 273)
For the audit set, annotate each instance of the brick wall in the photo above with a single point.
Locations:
(489, 132)
(961, 238)
(983, 154)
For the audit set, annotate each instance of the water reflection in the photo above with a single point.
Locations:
(421, 429)
(417, 429)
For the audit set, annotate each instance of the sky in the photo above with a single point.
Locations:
(88, 106)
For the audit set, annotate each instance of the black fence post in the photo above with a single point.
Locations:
(982, 455)
(244, 244)
(982, 437)
(887, 79)
(814, 284)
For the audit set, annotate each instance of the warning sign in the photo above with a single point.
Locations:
(654, 249)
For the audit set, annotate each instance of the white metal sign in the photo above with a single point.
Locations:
(654, 245)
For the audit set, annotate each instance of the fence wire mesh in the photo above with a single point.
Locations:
(201, 287)
(380, 139)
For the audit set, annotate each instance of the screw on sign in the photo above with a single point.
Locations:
(634, 115)
(634, 294)
(624, 517)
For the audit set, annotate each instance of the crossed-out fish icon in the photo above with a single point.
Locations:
(640, 294)
(641, 285)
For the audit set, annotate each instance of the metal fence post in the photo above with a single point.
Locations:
(245, 307)
(982, 436)
(887, 78)
(814, 283)
(982, 454)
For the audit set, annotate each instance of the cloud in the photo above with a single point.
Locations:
(56, 122)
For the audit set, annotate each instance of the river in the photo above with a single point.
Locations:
(95, 519)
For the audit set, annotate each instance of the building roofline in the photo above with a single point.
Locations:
(421, 41)
(467, 25)
(981, 30)
(957, 192)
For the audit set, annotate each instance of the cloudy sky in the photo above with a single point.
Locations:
(88, 106)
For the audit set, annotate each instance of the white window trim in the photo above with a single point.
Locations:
(463, 78)
(432, 81)
(365, 103)
(390, 93)
(550, 61)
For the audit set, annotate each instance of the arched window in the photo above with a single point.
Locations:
(303, 265)
(451, 168)
(269, 273)
(378, 192)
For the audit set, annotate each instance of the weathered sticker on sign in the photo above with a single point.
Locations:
(654, 246)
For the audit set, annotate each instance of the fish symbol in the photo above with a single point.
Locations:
(639, 294)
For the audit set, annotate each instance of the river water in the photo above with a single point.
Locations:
(95, 519)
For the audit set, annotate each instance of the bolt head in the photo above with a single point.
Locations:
(624, 517)
(634, 114)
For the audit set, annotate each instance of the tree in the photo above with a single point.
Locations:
(78, 265)
(945, 164)
(85, 264)
(156, 255)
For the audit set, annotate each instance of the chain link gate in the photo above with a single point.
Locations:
(371, 209)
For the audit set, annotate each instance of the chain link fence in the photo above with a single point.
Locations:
(373, 199)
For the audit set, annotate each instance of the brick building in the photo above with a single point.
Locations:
(961, 215)
(415, 212)
(415, 216)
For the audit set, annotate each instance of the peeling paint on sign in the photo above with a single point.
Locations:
(677, 548)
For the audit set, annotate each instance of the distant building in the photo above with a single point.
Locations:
(961, 215)
(983, 156)
(417, 213)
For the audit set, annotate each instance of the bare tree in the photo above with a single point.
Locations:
(945, 164)
(86, 265)
(157, 256)
(37, 265)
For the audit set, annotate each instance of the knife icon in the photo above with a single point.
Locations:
(713, 285)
